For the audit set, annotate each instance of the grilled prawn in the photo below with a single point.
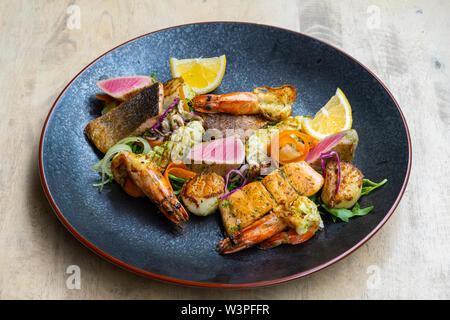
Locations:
(301, 216)
(281, 187)
(274, 104)
(139, 176)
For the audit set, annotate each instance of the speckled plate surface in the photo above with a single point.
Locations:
(131, 233)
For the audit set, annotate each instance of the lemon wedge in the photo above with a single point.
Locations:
(334, 117)
(203, 75)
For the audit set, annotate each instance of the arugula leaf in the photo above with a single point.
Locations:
(177, 183)
(177, 179)
(153, 75)
(148, 133)
(233, 185)
(346, 214)
(108, 107)
(190, 103)
(357, 211)
(373, 185)
(315, 198)
(135, 148)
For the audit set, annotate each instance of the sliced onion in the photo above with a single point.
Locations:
(144, 142)
(104, 165)
(329, 155)
(227, 177)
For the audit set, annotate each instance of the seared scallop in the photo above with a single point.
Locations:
(349, 189)
(201, 194)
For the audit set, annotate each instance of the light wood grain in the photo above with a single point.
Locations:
(409, 50)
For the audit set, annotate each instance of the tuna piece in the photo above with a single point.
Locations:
(122, 88)
(130, 118)
(344, 143)
(218, 156)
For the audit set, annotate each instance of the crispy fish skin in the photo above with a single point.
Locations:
(130, 118)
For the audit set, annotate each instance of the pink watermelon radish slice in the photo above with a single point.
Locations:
(122, 88)
(344, 143)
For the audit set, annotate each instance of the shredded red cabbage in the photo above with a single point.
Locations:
(329, 155)
(165, 113)
(226, 182)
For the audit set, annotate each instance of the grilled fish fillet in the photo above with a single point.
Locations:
(130, 118)
(305, 180)
(281, 187)
(244, 206)
(242, 126)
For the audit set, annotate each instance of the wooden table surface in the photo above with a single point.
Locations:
(405, 43)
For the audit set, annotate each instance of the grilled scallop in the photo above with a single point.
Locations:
(201, 194)
(349, 189)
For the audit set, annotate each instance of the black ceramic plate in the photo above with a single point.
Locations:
(133, 234)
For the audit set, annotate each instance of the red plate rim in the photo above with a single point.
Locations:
(148, 274)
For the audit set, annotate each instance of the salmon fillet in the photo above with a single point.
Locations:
(279, 187)
(243, 207)
(254, 200)
(130, 118)
(305, 180)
